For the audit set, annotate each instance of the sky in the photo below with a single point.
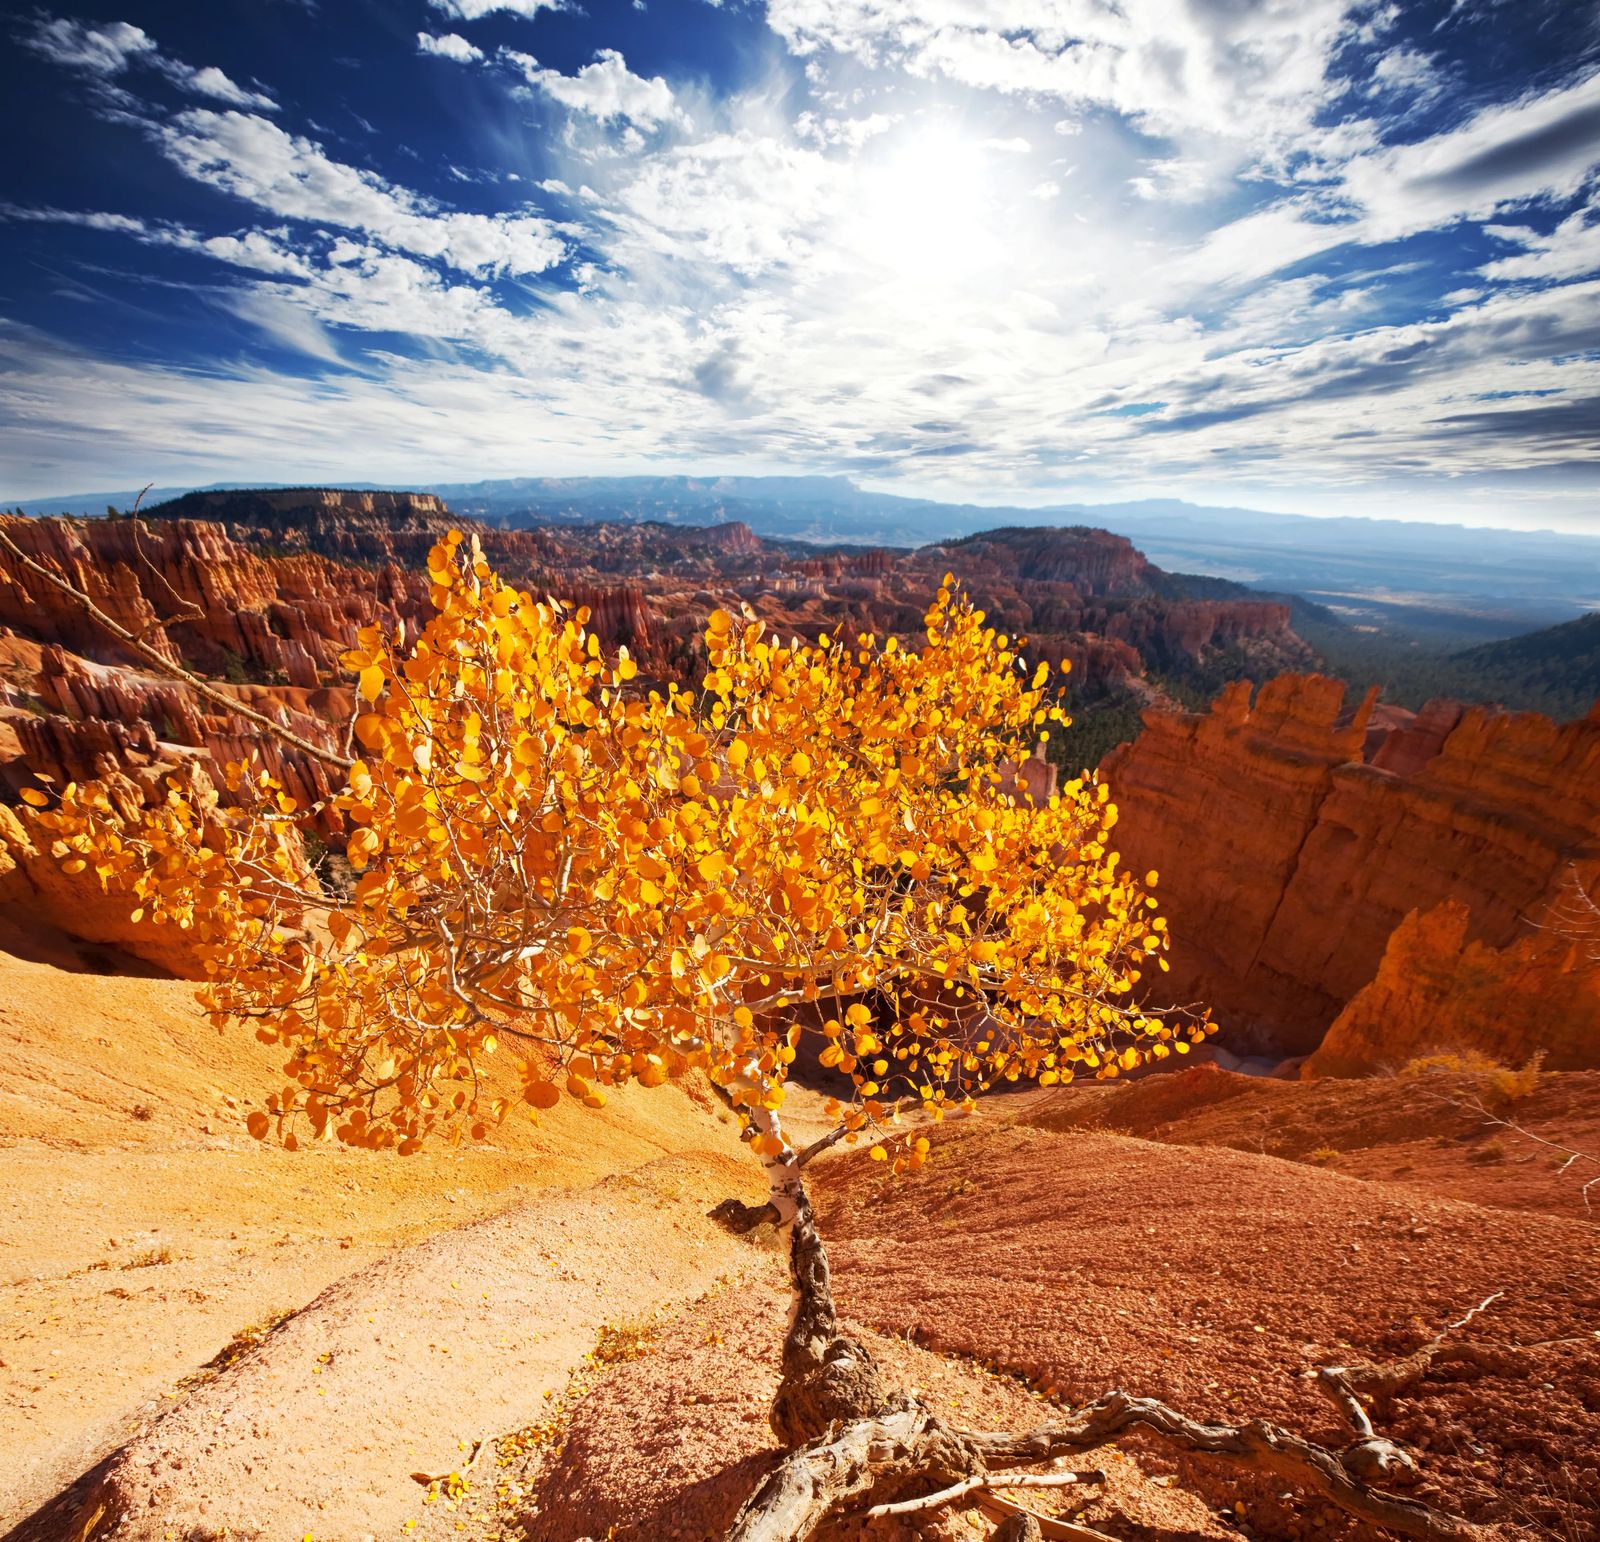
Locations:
(1325, 256)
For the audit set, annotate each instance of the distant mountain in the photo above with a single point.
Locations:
(1386, 574)
(1561, 659)
(93, 505)
(1375, 572)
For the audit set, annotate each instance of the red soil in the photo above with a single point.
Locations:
(1069, 1258)
(1422, 1132)
(1215, 1278)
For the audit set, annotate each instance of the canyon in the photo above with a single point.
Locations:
(218, 1336)
(266, 589)
(1344, 880)
(1372, 886)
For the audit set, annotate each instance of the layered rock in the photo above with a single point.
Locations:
(1081, 595)
(1436, 990)
(197, 597)
(107, 721)
(1288, 858)
(1095, 563)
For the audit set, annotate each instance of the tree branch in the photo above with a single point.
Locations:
(156, 660)
(1028, 1526)
(984, 1481)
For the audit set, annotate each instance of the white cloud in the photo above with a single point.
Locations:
(291, 177)
(1409, 72)
(744, 201)
(286, 322)
(1173, 181)
(1571, 250)
(476, 10)
(851, 132)
(1541, 148)
(110, 50)
(1255, 71)
(266, 251)
(606, 90)
(876, 272)
(107, 50)
(211, 82)
(450, 46)
(89, 219)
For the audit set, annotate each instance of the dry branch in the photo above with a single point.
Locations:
(850, 1438)
(158, 661)
(982, 1481)
(1019, 1524)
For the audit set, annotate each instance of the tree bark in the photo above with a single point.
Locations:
(828, 1377)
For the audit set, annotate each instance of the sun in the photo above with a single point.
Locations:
(925, 207)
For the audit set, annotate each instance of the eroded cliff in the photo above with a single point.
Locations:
(1293, 844)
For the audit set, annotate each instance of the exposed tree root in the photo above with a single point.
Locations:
(1019, 1524)
(857, 1445)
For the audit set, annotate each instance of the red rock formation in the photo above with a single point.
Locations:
(1032, 780)
(619, 616)
(1436, 990)
(734, 537)
(108, 721)
(1287, 861)
(197, 597)
(35, 895)
(1095, 562)
(269, 578)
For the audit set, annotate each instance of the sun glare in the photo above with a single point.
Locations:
(926, 208)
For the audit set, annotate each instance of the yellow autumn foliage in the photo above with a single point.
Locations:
(621, 884)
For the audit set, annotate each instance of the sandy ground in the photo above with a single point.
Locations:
(142, 1231)
(206, 1338)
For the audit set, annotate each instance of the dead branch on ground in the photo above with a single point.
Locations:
(857, 1445)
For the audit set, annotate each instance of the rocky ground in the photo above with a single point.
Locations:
(206, 1338)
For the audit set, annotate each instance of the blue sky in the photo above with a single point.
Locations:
(1304, 254)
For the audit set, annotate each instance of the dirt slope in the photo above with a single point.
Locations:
(1215, 1278)
(1418, 1131)
(141, 1229)
(1074, 1262)
(458, 1295)
(408, 1363)
(664, 1448)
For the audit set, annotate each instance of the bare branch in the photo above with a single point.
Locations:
(1029, 1523)
(984, 1481)
(823, 1143)
(155, 660)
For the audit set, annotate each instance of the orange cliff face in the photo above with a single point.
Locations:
(198, 597)
(1293, 844)
(1437, 991)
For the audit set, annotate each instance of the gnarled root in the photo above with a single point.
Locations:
(872, 1457)
(856, 1444)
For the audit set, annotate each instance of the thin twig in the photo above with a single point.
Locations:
(984, 1480)
(201, 688)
